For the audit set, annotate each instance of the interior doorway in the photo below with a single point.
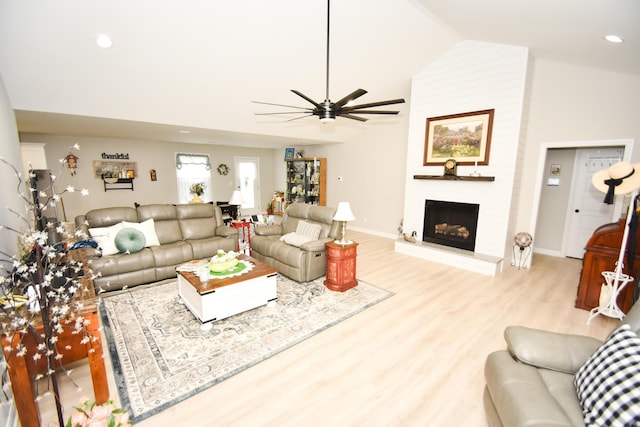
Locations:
(247, 181)
(627, 144)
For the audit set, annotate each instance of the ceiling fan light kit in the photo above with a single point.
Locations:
(327, 111)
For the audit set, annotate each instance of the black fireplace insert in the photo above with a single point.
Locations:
(451, 224)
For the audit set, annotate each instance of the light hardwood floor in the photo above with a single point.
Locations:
(415, 359)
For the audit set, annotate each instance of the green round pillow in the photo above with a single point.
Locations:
(130, 240)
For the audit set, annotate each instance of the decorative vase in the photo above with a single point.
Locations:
(196, 199)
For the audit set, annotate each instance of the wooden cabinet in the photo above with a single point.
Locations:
(602, 252)
(341, 266)
(306, 181)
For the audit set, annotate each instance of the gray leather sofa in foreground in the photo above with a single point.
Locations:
(285, 247)
(174, 234)
(532, 382)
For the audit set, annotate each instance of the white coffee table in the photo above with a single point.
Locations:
(217, 298)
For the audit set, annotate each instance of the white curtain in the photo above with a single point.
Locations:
(191, 169)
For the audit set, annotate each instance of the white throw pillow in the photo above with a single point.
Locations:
(148, 228)
(105, 238)
(308, 229)
(295, 239)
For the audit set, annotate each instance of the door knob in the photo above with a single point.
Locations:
(577, 210)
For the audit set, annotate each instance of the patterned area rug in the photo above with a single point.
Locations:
(161, 356)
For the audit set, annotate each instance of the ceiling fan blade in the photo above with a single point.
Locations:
(298, 118)
(279, 105)
(352, 96)
(305, 97)
(349, 116)
(372, 112)
(374, 104)
(282, 112)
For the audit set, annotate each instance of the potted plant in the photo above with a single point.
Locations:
(270, 208)
(197, 190)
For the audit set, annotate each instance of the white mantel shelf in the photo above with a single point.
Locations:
(459, 258)
(455, 177)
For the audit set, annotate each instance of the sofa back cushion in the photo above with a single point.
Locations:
(165, 219)
(198, 220)
(106, 217)
(321, 215)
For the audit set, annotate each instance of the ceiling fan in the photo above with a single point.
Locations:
(327, 111)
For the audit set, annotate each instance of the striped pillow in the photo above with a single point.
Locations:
(308, 229)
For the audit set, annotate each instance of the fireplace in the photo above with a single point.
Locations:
(450, 224)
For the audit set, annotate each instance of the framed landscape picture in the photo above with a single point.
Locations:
(465, 137)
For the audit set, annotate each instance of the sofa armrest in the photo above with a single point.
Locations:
(315, 245)
(268, 230)
(550, 350)
(224, 231)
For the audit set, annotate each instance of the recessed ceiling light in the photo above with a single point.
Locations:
(184, 131)
(613, 38)
(104, 41)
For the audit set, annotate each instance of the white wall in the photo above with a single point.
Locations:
(149, 155)
(471, 76)
(572, 103)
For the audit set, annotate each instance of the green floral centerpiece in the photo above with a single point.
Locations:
(223, 261)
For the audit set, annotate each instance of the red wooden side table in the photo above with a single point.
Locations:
(245, 226)
(341, 266)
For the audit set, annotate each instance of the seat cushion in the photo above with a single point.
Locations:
(522, 396)
(608, 384)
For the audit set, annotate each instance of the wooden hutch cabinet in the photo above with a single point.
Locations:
(306, 181)
(602, 252)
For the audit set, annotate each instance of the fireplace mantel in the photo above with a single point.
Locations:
(455, 177)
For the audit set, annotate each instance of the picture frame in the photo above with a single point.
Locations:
(289, 153)
(464, 137)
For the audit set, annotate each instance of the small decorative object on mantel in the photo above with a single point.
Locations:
(223, 169)
(523, 241)
(153, 175)
(450, 167)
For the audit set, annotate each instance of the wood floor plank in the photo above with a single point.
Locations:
(416, 358)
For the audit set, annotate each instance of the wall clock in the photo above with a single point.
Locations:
(223, 169)
(450, 167)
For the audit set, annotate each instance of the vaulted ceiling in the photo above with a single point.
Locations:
(197, 65)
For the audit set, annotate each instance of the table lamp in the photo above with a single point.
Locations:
(343, 214)
(236, 199)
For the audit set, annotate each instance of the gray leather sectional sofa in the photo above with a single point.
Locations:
(184, 232)
(299, 260)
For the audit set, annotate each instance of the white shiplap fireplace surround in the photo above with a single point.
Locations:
(472, 76)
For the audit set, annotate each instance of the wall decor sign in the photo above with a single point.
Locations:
(465, 137)
(114, 169)
(115, 156)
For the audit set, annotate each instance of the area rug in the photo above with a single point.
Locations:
(161, 355)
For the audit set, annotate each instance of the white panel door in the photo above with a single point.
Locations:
(587, 210)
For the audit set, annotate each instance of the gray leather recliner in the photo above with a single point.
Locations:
(303, 263)
(531, 382)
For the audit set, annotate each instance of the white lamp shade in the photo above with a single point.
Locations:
(344, 212)
(236, 198)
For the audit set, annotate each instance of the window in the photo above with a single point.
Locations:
(191, 169)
